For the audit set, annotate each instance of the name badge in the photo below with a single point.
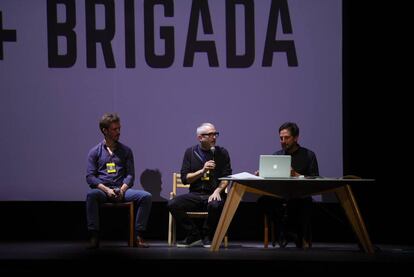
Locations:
(110, 168)
(206, 176)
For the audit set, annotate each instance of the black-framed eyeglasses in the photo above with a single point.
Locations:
(212, 134)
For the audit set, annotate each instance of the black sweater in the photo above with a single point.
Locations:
(194, 159)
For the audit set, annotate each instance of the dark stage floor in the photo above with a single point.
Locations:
(241, 257)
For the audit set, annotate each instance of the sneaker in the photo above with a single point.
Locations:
(189, 242)
(206, 242)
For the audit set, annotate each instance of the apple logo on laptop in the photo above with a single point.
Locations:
(275, 166)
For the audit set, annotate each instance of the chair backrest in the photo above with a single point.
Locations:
(178, 183)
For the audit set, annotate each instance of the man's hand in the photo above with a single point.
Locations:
(215, 196)
(122, 191)
(118, 195)
(121, 195)
(110, 193)
(209, 165)
(293, 173)
(115, 194)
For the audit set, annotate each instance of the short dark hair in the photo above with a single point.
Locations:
(292, 127)
(107, 119)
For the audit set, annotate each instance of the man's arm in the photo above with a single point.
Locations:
(192, 176)
(227, 170)
(92, 170)
(216, 193)
(222, 186)
(224, 172)
(313, 167)
(130, 170)
(108, 191)
(187, 174)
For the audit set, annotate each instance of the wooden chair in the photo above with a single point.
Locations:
(178, 184)
(130, 206)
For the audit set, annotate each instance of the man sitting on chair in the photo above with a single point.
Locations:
(295, 212)
(203, 165)
(110, 175)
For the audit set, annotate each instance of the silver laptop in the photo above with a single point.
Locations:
(275, 166)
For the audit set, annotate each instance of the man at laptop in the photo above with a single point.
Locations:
(292, 216)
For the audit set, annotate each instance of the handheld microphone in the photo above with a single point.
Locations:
(213, 149)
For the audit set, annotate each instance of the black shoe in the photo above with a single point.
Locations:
(140, 243)
(283, 238)
(301, 243)
(189, 241)
(93, 242)
(283, 242)
(206, 242)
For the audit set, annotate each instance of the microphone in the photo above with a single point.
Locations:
(211, 172)
(213, 149)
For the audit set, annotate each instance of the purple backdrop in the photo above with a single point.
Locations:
(50, 115)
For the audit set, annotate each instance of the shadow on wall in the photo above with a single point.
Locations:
(151, 181)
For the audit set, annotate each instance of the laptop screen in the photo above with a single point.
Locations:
(275, 166)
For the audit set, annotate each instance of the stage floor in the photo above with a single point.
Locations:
(47, 257)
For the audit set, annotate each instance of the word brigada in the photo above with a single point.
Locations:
(65, 30)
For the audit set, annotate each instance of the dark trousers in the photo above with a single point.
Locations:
(291, 217)
(196, 202)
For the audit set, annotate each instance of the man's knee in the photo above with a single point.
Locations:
(147, 197)
(93, 195)
(215, 205)
(171, 204)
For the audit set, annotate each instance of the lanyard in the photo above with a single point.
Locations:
(201, 154)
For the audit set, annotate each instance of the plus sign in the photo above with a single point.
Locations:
(5, 35)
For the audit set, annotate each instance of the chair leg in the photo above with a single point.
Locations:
(174, 232)
(131, 226)
(170, 232)
(226, 241)
(266, 232)
(273, 233)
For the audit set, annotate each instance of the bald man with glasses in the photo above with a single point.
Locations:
(203, 165)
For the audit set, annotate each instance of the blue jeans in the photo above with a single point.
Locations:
(142, 199)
